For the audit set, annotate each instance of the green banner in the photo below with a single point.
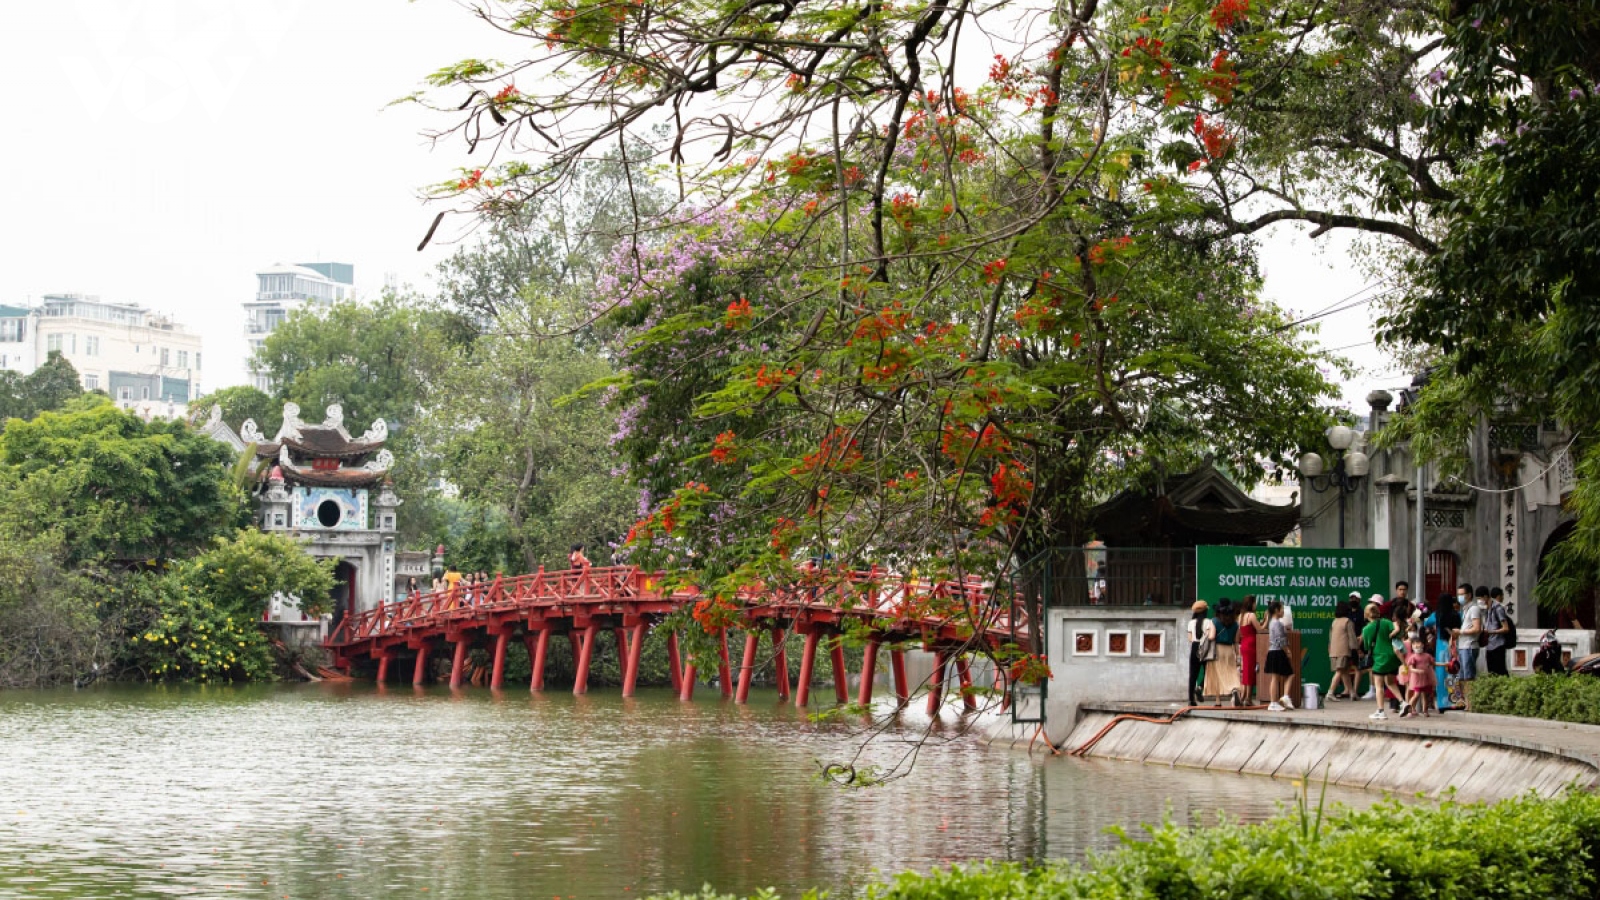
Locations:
(1309, 581)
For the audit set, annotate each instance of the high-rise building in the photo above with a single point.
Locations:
(282, 289)
(138, 357)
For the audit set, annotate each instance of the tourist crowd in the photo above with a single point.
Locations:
(1414, 656)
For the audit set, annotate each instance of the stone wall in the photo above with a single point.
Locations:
(1088, 665)
(1417, 762)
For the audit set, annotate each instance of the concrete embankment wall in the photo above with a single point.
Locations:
(1403, 763)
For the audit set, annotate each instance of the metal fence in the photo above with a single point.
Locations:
(1110, 576)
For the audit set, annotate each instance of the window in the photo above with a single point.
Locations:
(124, 393)
(183, 359)
(144, 393)
(197, 359)
(52, 343)
(165, 360)
(91, 345)
(91, 382)
(12, 330)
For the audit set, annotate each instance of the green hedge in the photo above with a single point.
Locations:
(1563, 698)
(1519, 849)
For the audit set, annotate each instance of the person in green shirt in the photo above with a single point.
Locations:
(1378, 639)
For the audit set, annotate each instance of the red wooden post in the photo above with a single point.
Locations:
(841, 678)
(498, 677)
(420, 672)
(808, 661)
(580, 684)
(724, 669)
(747, 666)
(458, 663)
(674, 664)
(897, 667)
(541, 649)
(936, 683)
(964, 674)
(687, 693)
(383, 668)
(630, 671)
(869, 668)
(619, 635)
(780, 660)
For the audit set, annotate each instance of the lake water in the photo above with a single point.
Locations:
(351, 791)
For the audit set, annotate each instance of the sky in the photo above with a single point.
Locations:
(162, 152)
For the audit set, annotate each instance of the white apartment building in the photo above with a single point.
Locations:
(282, 289)
(16, 339)
(136, 356)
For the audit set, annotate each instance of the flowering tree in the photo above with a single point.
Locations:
(927, 293)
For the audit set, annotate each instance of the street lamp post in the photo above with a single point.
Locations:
(1349, 467)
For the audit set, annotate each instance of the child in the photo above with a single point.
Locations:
(1422, 684)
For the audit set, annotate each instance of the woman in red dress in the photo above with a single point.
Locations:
(1248, 623)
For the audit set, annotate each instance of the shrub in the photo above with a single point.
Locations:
(1563, 698)
(1528, 847)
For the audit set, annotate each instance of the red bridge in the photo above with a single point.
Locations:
(952, 619)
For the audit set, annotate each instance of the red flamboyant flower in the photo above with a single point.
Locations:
(723, 451)
(1229, 13)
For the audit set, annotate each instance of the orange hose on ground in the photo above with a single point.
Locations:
(1135, 717)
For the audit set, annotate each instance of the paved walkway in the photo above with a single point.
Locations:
(1576, 742)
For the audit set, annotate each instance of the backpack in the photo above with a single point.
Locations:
(1511, 628)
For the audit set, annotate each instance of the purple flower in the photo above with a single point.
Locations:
(1575, 94)
(1436, 76)
(1497, 141)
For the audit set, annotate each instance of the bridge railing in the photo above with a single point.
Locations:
(871, 591)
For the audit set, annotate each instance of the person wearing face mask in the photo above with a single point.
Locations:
(1471, 634)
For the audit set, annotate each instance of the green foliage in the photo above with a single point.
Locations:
(1528, 847)
(1512, 295)
(188, 635)
(239, 403)
(55, 623)
(48, 387)
(114, 487)
(198, 620)
(1562, 698)
(243, 572)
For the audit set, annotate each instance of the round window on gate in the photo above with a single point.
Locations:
(329, 513)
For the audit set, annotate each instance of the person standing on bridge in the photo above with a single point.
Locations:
(576, 559)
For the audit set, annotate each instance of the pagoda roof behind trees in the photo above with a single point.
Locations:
(1202, 507)
(321, 441)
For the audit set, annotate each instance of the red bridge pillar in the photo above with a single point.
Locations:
(869, 668)
(724, 669)
(674, 663)
(458, 663)
(841, 678)
(580, 684)
(630, 666)
(420, 672)
(808, 661)
(537, 653)
(687, 692)
(747, 666)
(497, 677)
(964, 673)
(383, 668)
(897, 668)
(780, 660)
(936, 683)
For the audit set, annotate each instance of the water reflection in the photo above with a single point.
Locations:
(349, 791)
